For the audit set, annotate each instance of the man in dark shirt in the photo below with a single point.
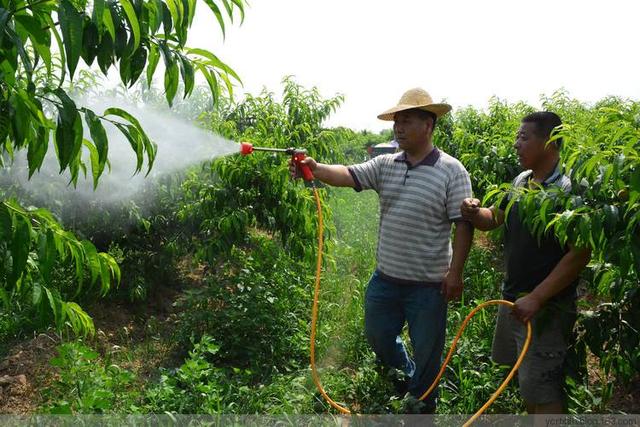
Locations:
(539, 273)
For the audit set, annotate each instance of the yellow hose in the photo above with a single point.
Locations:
(314, 310)
(500, 389)
(314, 320)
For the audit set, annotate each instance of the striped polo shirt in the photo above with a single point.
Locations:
(417, 207)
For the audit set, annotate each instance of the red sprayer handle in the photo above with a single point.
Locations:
(298, 157)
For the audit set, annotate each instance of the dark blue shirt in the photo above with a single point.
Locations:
(529, 261)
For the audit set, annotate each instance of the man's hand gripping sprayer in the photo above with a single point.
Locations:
(297, 155)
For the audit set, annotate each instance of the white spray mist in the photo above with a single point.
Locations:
(180, 144)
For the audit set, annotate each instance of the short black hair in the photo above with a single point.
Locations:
(423, 114)
(546, 123)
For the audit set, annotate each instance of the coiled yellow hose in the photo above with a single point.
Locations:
(314, 320)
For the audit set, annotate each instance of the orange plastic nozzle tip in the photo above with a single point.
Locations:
(246, 148)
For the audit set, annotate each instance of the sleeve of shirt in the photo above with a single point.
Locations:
(366, 175)
(459, 188)
(517, 182)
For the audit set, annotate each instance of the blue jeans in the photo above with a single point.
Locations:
(387, 307)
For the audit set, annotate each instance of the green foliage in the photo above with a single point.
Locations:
(238, 193)
(120, 34)
(198, 386)
(257, 307)
(87, 384)
(600, 155)
(35, 107)
(32, 245)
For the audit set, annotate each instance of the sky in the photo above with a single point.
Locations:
(461, 51)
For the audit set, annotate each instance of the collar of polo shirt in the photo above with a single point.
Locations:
(429, 160)
(552, 178)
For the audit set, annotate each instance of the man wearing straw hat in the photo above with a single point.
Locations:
(418, 270)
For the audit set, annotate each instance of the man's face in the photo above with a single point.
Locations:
(410, 129)
(530, 147)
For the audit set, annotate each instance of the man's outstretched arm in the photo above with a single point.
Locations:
(334, 175)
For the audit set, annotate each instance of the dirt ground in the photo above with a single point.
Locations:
(26, 370)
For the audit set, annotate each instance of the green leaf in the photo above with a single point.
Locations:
(97, 15)
(240, 6)
(81, 323)
(99, 137)
(188, 75)
(105, 273)
(77, 254)
(138, 62)
(107, 21)
(166, 19)
(113, 111)
(190, 8)
(105, 54)
(36, 294)
(45, 53)
(122, 48)
(47, 254)
(5, 121)
(175, 7)
(4, 17)
(211, 81)
(19, 45)
(90, 39)
(154, 58)
(20, 119)
(6, 224)
(134, 25)
(20, 247)
(215, 62)
(151, 148)
(229, 8)
(76, 161)
(138, 147)
(34, 28)
(68, 134)
(171, 80)
(37, 150)
(71, 26)
(137, 137)
(154, 10)
(95, 163)
(218, 14)
(54, 304)
(92, 259)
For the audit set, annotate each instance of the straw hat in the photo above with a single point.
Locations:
(416, 98)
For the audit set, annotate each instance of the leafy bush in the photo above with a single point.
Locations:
(33, 249)
(196, 387)
(257, 306)
(86, 384)
(600, 154)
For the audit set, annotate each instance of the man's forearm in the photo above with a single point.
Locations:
(564, 273)
(335, 175)
(462, 238)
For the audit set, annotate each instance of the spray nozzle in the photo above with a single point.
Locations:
(246, 148)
